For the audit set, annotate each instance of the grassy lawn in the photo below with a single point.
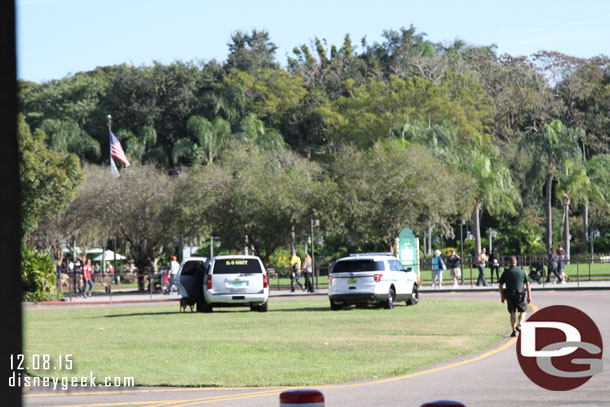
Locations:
(296, 343)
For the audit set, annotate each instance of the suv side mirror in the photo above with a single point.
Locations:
(408, 269)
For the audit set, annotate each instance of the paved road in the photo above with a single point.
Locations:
(490, 379)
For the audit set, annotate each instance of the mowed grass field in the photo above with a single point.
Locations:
(297, 343)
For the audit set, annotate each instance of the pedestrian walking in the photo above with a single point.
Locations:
(494, 265)
(173, 270)
(481, 262)
(87, 275)
(307, 271)
(517, 294)
(438, 265)
(453, 263)
(79, 283)
(561, 261)
(551, 266)
(295, 269)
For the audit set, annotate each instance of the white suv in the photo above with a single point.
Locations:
(236, 281)
(371, 278)
(225, 281)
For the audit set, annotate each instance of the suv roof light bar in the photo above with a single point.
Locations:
(370, 254)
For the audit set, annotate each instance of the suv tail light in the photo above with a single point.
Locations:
(330, 280)
(377, 277)
(209, 282)
(265, 281)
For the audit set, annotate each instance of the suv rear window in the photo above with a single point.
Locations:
(190, 267)
(355, 266)
(237, 266)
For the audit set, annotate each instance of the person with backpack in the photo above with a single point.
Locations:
(307, 271)
(551, 266)
(438, 265)
(494, 265)
(453, 263)
(295, 269)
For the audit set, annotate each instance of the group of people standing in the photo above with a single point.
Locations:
(493, 261)
(82, 273)
(298, 268)
(453, 264)
(438, 265)
(555, 261)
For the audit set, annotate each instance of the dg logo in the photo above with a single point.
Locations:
(560, 348)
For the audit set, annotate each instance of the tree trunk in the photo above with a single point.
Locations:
(585, 220)
(548, 197)
(143, 267)
(292, 240)
(429, 237)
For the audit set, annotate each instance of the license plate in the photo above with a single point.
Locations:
(351, 281)
(238, 283)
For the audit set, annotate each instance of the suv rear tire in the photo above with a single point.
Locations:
(390, 303)
(414, 300)
(260, 308)
(334, 306)
(205, 307)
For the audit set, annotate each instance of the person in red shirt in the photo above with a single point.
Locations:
(87, 276)
(87, 270)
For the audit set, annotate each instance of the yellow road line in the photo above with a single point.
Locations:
(173, 389)
(203, 400)
(190, 402)
(433, 370)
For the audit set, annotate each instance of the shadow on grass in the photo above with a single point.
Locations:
(146, 314)
(219, 311)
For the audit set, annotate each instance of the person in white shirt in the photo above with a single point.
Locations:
(173, 270)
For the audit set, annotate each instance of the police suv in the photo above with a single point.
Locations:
(371, 279)
(225, 281)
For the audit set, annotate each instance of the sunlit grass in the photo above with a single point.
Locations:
(295, 343)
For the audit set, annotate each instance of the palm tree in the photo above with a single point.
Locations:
(480, 160)
(206, 142)
(573, 187)
(496, 190)
(598, 192)
(549, 149)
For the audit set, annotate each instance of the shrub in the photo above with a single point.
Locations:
(39, 279)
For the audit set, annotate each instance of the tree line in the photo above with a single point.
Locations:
(369, 138)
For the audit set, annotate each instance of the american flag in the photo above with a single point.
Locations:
(116, 150)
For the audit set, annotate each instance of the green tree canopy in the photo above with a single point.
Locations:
(254, 195)
(48, 178)
(391, 186)
(372, 110)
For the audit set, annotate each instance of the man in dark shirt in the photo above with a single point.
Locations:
(516, 281)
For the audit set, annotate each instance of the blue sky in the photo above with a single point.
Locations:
(56, 38)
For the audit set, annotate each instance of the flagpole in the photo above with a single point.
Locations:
(109, 117)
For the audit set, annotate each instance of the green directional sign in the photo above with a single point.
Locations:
(408, 249)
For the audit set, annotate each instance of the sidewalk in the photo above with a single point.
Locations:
(131, 296)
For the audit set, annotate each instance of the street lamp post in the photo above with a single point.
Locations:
(594, 234)
(212, 245)
(462, 223)
(492, 234)
(313, 222)
(470, 236)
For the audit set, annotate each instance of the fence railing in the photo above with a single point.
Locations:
(578, 269)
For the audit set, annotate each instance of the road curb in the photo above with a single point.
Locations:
(287, 294)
